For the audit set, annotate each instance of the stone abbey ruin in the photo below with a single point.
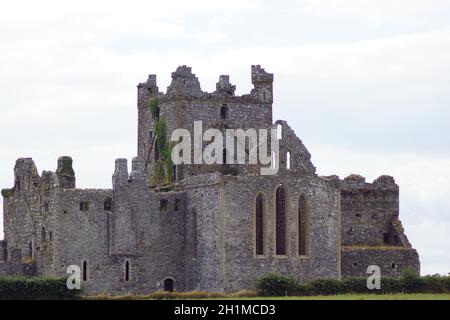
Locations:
(197, 226)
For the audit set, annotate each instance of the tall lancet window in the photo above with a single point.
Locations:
(280, 221)
(259, 224)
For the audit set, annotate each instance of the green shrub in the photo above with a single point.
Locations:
(411, 282)
(276, 285)
(391, 285)
(160, 130)
(304, 289)
(33, 288)
(435, 284)
(327, 287)
(355, 285)
(152, 106)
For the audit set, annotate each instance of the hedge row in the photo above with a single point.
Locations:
(277, 285)
(31, 288)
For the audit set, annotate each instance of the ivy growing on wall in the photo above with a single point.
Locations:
(153, 106)
(163, 169)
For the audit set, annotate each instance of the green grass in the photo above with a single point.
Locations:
(201, 296)
(397, 296)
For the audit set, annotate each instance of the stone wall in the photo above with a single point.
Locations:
(242, 266)
(185, 103)
(391, 260)
(200, 230)
(372, 233)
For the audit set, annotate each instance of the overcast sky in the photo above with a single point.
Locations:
(365, 84)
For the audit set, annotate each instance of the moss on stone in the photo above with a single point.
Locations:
(160, 131)
(6, 193)
(66, 167)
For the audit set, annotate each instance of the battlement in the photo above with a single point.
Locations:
(259, 75)
(185, 84)
(354, 188)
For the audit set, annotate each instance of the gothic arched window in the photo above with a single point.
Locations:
(280, 221)
(259, 224)
(224, 112)
(303, 232)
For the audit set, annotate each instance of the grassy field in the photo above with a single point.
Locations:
(398, 296)
(418, 296)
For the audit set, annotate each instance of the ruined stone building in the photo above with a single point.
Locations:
(197, 226)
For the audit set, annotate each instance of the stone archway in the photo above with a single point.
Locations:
(169, 284)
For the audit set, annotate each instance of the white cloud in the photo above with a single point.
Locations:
(375, 13)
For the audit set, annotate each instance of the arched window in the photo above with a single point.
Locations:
(224, 112)
(259, 224)
(303, 217)
(280, 221)
(84, 265)
(43, 234)
(288, 160)
(169, 285)
(127, 270)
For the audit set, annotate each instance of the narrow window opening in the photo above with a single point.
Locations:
(45, 207)
(279, 131)
(259, 224)
(288, 160)
(302, 226)
(127, 270)
(107, 205)
(84, 206)
(84, 264)
(163, 205)
(224, 112)
(43, 238)
(177, 204)
(280, 213)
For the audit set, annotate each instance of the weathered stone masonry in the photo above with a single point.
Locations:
(200, 231)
